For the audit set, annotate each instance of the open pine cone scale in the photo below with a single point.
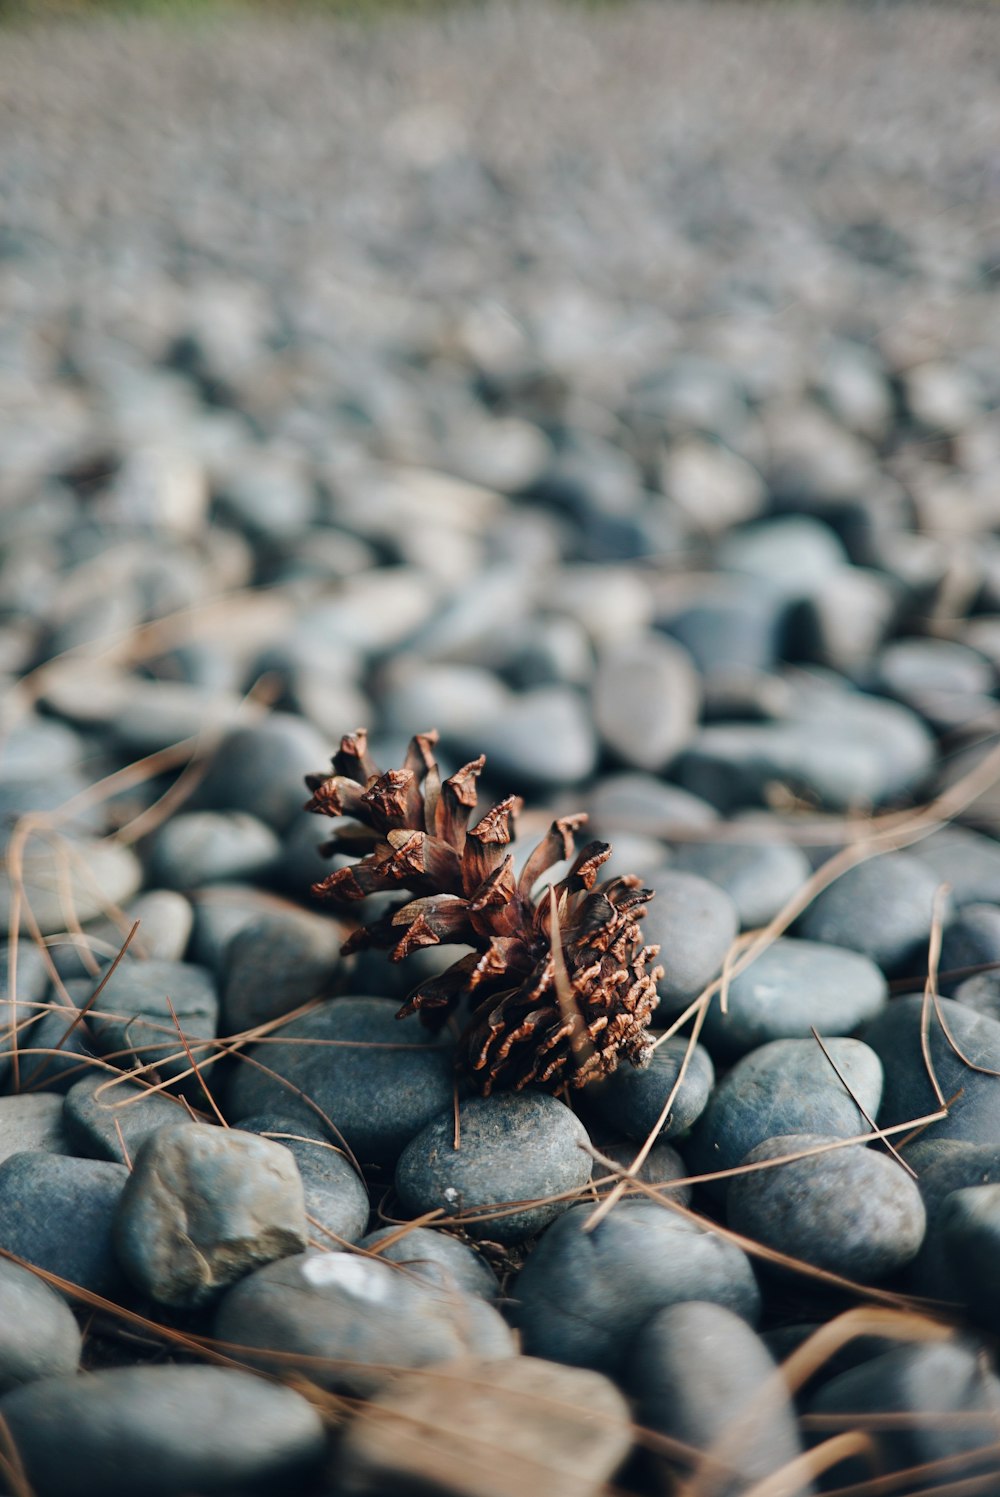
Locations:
(548, 1007)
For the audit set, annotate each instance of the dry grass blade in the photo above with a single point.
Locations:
(195, 1067)
(793, 1477)
(930, 991)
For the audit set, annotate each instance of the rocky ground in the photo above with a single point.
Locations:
(615, 392)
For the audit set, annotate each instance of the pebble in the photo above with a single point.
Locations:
(787, 1086)
(844, 620)
(32, 1122)
(965, 860)
(646, 700)
(274, 964)
(134, 1016)
(792, 554)
(561, 1430)
(942, 1169)
(970, 940)
(981, 993)
(582, 1297)
(883, 909)
(662, 1166)
(39, 1336)
(848, 1211)
(694, 924)
(969, 1229)
(155, 714)
(57, 1213)
(165, 1431)
(80, 879)
(932, 676)
(792, 987)
(438, 1257)
(94, 1105)
(336, 1199)
(759, 877)
(55, 1049)
(972, 1095)
(543, 740)
(729, 629)
(220, 910)
(378, 1080)
(352, 1319)
(701, 1376)
(512, 1147)
(207, 847)
(646, 806)
(632, 1100)
(261, 769)
(165, 923)
(715, 487)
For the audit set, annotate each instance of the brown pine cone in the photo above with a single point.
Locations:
(558, 987)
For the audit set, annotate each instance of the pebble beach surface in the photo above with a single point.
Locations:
(615, 391)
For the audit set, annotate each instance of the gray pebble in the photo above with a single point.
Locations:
(971, 939)
(732, 627)
(99, 874)
(972, 1095)
(220, 910)
(646, 700)
(54, 1048)
(206, 847)
(932, 676)
(969, 1229)
(644, 805)
(632, 1100)
(337, 1205)
(694, 923)
(354, 1320)
(882, 908)
(981, 993)
(436, 1256)
(134, 1018)
(261, 768)
(582, 1297)
(759, 877)
(543, 739)
(32, 1121)
(93, 1106)
(275, 963)
(165, 1431)
(38, 748)
(56, 1213)
(513, 1147)
(844, 619)
(202, 1207)
(155, 714)
(662, 1166)
(700, 1375)
(942, 1169)
(39, 1336)
(849, 1211)
(967, 861)
(378, 1080)
(787, 1086)
(792, 987)
(792, 554)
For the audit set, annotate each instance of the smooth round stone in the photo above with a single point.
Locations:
(969, 1227)
(791, 988)
(141, 1007)
(759, 877)
(973, 1095)
(379, 1080)
(792, 554)
(56, 1213)
(694, 923)
(163, 1431)
(155, 714)
(38, 748)
(849, 1211)
(632, 1100)
(924, 673)
(22, 796)
(54, 1050)
(202, 1207)
(662, 1166)
(274, 964)
(436, 1256)
(337, 1205)
(514, 1147)
(904, 749)
(882, 909)
(844, 620)
(787, 1086)
(543, 738)
(39, 1336)
(263, 767)
(646, 700)
(206, 847)
(220, 910)
(981, 993)
(454, 698)
(582, 1297)
(354, 1321)
(32, 1121)
(971, 939)
(935, 1387)
(165, 923)
(942, 1169)
(563, 1431)
(98, 874)
(700, 1375)
(967, 861)
(646, 806)
(731, 627)
(95, 1104)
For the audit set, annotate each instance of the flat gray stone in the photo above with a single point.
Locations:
(208, 847)
(99, 874)
(436, 1256)
(32, 1121)
(274, 964)
(694, 924)
(93, 1105)
(57, 1212)
(632, 1100)
(882, 909)
(336, 1197)
(759, 877)
(39, 1336)
(973, 1095)
(262, 767)
(646, 700)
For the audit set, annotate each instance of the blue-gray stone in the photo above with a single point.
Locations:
(354, 1321)
(791, 988)
(632, 1100)
(694, 924)
(55, 1047)
(98, 874)
(57, 1213)
(101, 1099)
(647, 806)
(207, 847)
(583, 1296)
(31, 1121)
(702, 1376)
(967, 861)
(378, 1080)
(849, 1211)
(787, 1086)
(882, 908)
(542, 738)
(973, 1095)
(39, 1336)
(143, 1004)
(436, 1256)
(793, 554)
(732, 627)
(262, 768)
(943, 1169)
(969, 1228)
(203, 1206)
(275, 963)
(337, 1205)
(971, 939)
(646, 700)
(662, 1166)
(981, 993)
(513, 1147)
(759, 877)
(163, 1431)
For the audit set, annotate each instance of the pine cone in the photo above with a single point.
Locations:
(558, 988)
